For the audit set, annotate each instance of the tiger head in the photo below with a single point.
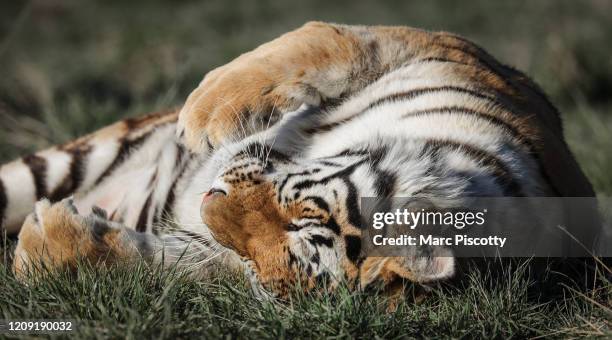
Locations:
(297, 224)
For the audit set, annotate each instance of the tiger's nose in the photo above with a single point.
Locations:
(212, 194)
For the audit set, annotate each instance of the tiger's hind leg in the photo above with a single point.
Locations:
(55, 236)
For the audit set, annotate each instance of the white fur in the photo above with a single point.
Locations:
(19, 186)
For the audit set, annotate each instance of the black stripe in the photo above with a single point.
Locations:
(170, 198)
(439, 60)
(125, 148)
(375, 156)
(353, 247)
(171, 195)
(3, 205)
(151, 186)
(352, 199)
(38, 168)
(319, 202)
(143, 217)
(414, 93)
(76, 172)
(333, 225)
(352, 205)
(319, 240)
(348, 153)
(516, 134)
(503, 176)
(328, 163)
(292, 259)
(316, 258)
(209, 144)
(385, 183)
(286, 180)
(329, 126)
(307, 183)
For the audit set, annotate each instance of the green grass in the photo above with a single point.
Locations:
(68, 67)
(139, 301)
(588, 131)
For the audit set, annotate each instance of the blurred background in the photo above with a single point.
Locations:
(68, 67)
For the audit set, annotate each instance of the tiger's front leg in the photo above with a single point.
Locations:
(310, 65)
(57, 237)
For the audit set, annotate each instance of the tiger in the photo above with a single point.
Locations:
(262, 169)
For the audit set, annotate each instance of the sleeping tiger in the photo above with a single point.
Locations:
(262, 169)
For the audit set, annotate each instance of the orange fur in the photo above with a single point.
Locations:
(249, 223)
(57, 237)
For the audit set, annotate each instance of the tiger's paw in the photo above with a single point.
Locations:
(234, 101)
(305, 66)
(55, 236)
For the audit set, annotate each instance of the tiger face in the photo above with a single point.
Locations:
(297, 223)
(285, 234)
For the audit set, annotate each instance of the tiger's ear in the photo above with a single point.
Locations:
(439, 266)
(417, 264)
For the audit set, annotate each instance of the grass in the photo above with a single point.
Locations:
(138, 301)
(69, 67)
(588, 131)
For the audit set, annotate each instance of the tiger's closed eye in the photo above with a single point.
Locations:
(292, 227)
(217, 191)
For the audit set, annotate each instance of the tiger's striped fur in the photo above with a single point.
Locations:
(390, 111)
(85, 167)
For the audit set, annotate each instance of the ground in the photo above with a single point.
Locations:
(69, 67)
